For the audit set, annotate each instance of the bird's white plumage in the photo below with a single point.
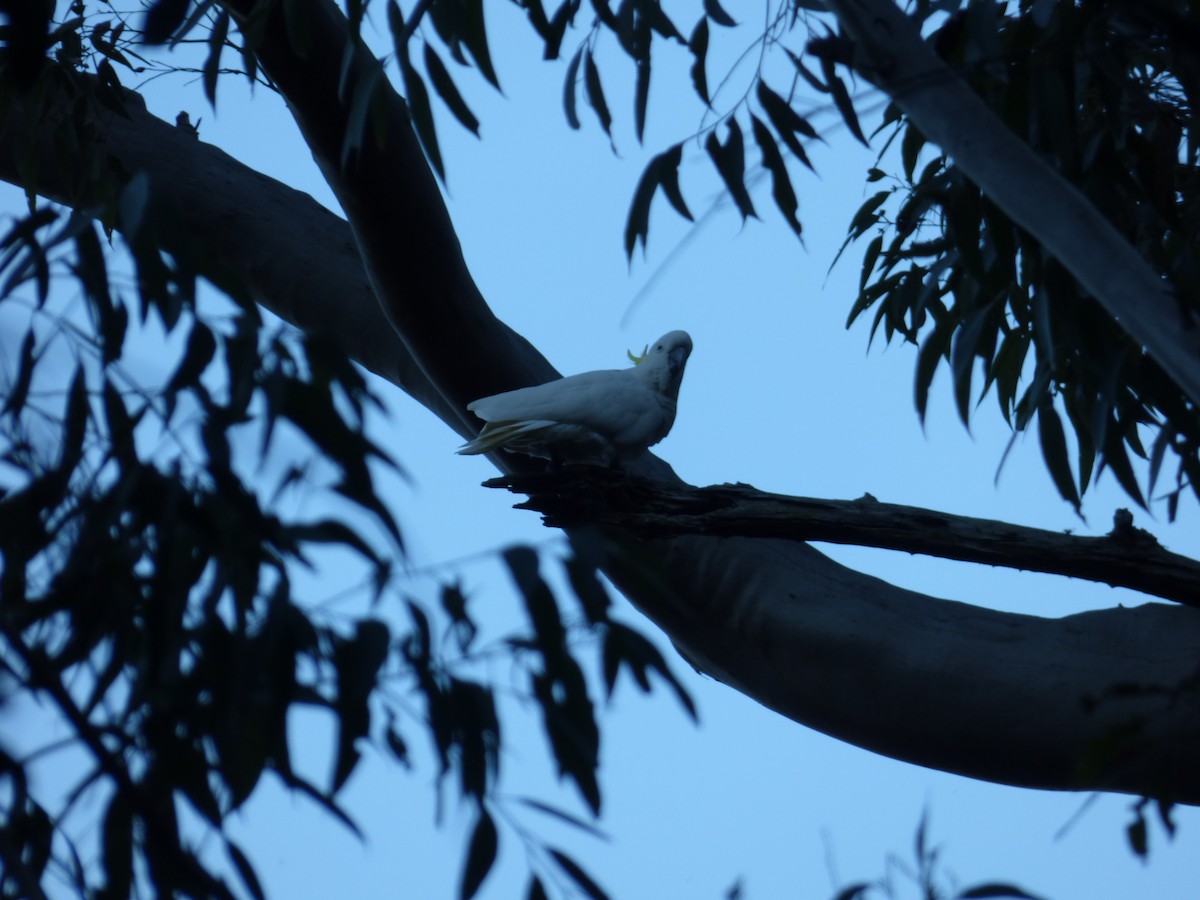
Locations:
(603, 416)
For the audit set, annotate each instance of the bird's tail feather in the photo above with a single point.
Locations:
(496, 435)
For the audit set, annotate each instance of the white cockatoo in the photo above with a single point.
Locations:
(604, 417)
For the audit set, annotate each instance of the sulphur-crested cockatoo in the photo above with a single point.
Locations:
(608, 416)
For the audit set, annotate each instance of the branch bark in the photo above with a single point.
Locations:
(1101, 700)
(1126, 557)
(891, 54)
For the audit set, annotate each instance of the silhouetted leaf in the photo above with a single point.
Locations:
(592, 596)
(1054, 452)
(996, 889)
(212, 63)
(578, 875)
(331, 531)
(595, 94)
(454, 602)
(698, 44)
(786, 121)
(15, 401)
(397, 745)
(162, 19)
(842, 100)
(422, 116)
(481, 854)
(358, 661)
(570, 87)
(199, 353)
(245, 870)
(1136, 834)
(522, 563)
(713, 10)
(641, 96)
(662, 171)
(570, 723)
(870, 256)
(730, 161)
(933, 350)
(1116, 459)
(460, 23)
(781, 184)
(910, 149)
(623, 645)
(325, 802)
(867, 214)
(444, 85)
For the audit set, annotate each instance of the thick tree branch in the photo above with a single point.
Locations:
(891, 54)
(405, 238)
(233, 222)
(586, 495)
(1015, 699)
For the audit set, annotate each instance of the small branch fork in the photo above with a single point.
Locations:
(1126, 557)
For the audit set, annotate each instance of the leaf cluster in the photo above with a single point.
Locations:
(149, 580)
(1107, 94)
(147, 586)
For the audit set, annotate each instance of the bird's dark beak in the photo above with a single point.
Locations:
(676, 358)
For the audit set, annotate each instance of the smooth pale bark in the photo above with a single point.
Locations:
(1008, 698)
(890, 53)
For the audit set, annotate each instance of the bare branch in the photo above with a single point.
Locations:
(1126, 557)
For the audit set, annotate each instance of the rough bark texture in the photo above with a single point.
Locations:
(1102, 700)
(1126, 557)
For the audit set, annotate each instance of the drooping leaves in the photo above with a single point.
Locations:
(358, 661)
(481, 854)
(938, 251)
(595, 93)
(662, 173)
(730, 161)
(559, 686)
(698, 44)
(714, 11)
(444, 85)
(570, 88)
(786, 122)
(781, 184)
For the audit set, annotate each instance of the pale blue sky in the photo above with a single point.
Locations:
(778, 394)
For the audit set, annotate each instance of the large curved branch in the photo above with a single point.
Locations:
(890, 52)
(1015, 699)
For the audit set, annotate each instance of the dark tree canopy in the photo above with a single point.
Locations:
(149, 590)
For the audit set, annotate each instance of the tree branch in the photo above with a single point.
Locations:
(1126, 557)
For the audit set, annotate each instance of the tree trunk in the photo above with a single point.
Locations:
(1008, 698)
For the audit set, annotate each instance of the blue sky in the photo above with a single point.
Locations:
(777, 394)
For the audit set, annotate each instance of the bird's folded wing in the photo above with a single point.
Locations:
(607, 402)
